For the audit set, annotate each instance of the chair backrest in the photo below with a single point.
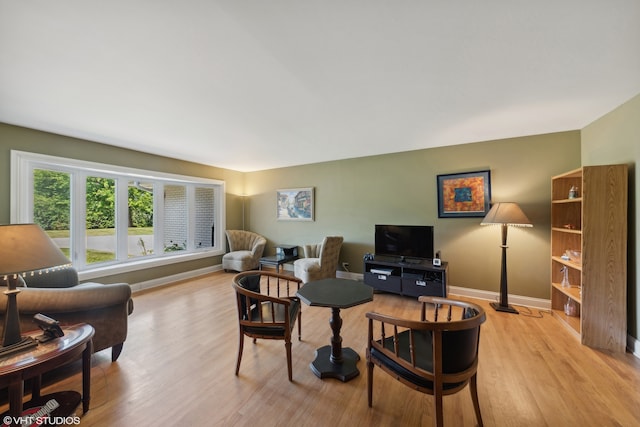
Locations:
(262, 298)
(312, 250)
(52, 278)
(267, 309)
(460, 330)
(241, 240)
(330, 253)
(443, 343)
(249, 282)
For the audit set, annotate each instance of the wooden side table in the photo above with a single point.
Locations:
(18, 367)
(333, 361)
(276, 260)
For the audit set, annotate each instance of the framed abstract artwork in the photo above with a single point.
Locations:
(464, 194)
(295, 204)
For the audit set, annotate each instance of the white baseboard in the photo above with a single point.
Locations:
(454, 290)
(633, 345)
(167, 280)
(162, 281)
(349, 275)
(539, 303)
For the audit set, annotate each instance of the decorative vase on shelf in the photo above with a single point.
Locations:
(570, 308)
(565, 277)
(573, 192)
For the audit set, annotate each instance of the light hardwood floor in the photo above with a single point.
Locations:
(177, 368)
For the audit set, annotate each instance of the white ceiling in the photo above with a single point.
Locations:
(255, 84)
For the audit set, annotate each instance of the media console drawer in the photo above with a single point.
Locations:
(383, 282)
(407, 278)
(419, 287)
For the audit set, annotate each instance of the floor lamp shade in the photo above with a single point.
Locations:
(24, 248)
(505, 214)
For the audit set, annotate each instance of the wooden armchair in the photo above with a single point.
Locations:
(437, 357)
(267, 309)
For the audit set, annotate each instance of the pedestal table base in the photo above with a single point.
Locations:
(323, 367)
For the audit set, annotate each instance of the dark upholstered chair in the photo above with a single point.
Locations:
(267, 309)
(437, 354)
(58, 294)
(245, 250)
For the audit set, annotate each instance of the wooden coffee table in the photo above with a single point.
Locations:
(333, 361)
(32, 363)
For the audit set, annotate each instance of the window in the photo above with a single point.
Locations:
(140, 236)
(52, 206)
(175, 211)
(100, 219)
(107, 217)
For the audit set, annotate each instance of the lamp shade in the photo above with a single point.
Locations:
(26, 247)
(506, 213)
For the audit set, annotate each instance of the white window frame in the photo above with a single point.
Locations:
(21, 198)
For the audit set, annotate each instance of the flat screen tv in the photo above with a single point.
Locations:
(404, 241)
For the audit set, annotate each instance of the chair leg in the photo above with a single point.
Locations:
(287, 346)
(437, 405)
(115, 351)
(370, 382)
(240, 347)
(300, 325)
(473, 386)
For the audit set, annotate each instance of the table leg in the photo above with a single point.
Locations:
(86, 376)
(336, 339)
(16, 393)
(334, 361)
(35, 387)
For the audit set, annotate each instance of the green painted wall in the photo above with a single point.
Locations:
(615, 138)
(18, 138)
(353, 195)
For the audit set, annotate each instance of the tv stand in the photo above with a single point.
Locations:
(406, 276)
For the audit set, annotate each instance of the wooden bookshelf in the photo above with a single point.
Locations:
(589, 240)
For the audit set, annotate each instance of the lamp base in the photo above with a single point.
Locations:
(24, 344)
(505, 308)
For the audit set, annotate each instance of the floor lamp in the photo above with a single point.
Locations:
(24, 248)
(505, 215)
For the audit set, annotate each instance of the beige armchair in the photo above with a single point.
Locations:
(58, 295)
(245, 248)
(320, 261)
